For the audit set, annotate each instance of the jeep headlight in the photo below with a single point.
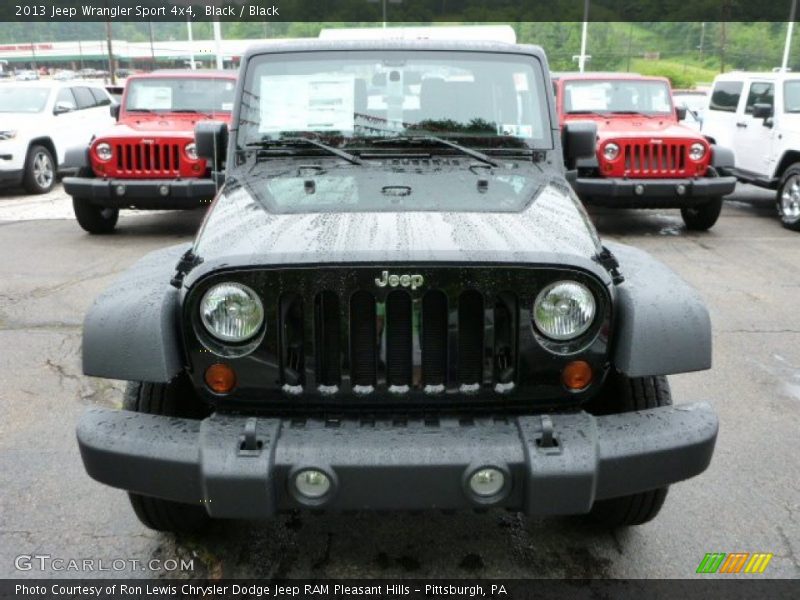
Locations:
(564, 310)
(611, 151)
(231, 312)
(697, 151)
(191, 150)
(103, 151)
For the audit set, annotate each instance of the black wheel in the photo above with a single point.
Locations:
(94, 219)
(789, 198)
(40, 170)
(703, 216)
(624, 394)
(176, 399)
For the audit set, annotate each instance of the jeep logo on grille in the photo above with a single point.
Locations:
(404, 280)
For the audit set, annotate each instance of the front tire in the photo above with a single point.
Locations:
(703, 216)
(40, 171)
(788, 200)
(623, 394)
(175, 399)
(94, 219)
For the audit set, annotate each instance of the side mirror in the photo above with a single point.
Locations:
(211, 141)
(680, 112)
(63, 107)
(114, 110)
(762, 111)
(579, 139)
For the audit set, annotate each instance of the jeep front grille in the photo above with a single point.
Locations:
(648, 159)
(156, 159)
(397, 344)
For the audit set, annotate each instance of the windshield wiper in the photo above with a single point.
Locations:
(138, 110)
(289, 141)
(437, 140)
(587, 112)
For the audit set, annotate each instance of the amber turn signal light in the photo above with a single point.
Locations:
(220, 378)
(577, 375)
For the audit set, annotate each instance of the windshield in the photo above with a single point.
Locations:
(617, 96)
(348, 98)
(20, 99)
(180, 94)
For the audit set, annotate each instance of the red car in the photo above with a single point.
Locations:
(645, 158)
(148, 159)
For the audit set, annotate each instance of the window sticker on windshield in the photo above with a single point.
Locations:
(318, 103)
(588, 97)
(153, 98)
(520, 82)
(521, 131)
(227, 106)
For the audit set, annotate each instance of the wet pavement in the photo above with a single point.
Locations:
(747, 269)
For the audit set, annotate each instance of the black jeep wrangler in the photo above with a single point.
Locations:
(396, 302)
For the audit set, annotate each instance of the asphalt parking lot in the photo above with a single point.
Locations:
(747, 268)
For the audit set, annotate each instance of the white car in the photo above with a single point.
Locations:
(757, 115)
(695, 103)
(40, 121)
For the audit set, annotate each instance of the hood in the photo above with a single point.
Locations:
(157, 125)
(552, 229)
(635, 127)
(20, 121)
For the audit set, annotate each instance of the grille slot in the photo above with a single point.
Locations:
(328, 332)
(399, 343)
(363, 339)
(434, 338)
(292, 346)
(643, 159)
(156, 159)
(470, 337)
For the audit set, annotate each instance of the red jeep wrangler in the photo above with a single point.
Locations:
(645, 158)
(148, 159)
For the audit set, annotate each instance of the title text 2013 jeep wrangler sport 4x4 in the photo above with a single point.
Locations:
(396, 302)
(645, 157)
(147, 159)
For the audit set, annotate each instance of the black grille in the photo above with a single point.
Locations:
(398, 343)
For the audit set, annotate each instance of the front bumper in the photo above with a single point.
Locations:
(156, 194)
(652, 193)
(396, 466)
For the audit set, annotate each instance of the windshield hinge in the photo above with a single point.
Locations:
(188, 261)
(610, 263)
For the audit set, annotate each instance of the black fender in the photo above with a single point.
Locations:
(132, 331)
(722, 157)
(662, 324)
(76, 158)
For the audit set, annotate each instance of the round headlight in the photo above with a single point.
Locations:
(564, 310)
(103, 151)
(611, 151)
(231, 312)
(191, 151)
(697, 151)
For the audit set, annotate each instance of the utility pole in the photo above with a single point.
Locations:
(630, 41)
(33, 55)
(723, 32)
(789, 30)
(191, 44)
(582, 57)
(218, 44)
(702, 39)
(111, 69)
(152, 49)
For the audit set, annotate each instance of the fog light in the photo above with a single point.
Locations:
(487, 482)
(312, 483)
(639, 190)
(163, 190)
(120, 190)
(577, 375)
(681, 189)
(220, 378)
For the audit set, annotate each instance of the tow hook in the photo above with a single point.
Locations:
(249, 444)
(547, 442)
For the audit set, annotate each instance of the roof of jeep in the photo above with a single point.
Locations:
(605, 75)
(316, 45)
(188, 73)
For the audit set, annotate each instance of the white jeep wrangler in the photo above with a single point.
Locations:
(757, 115)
